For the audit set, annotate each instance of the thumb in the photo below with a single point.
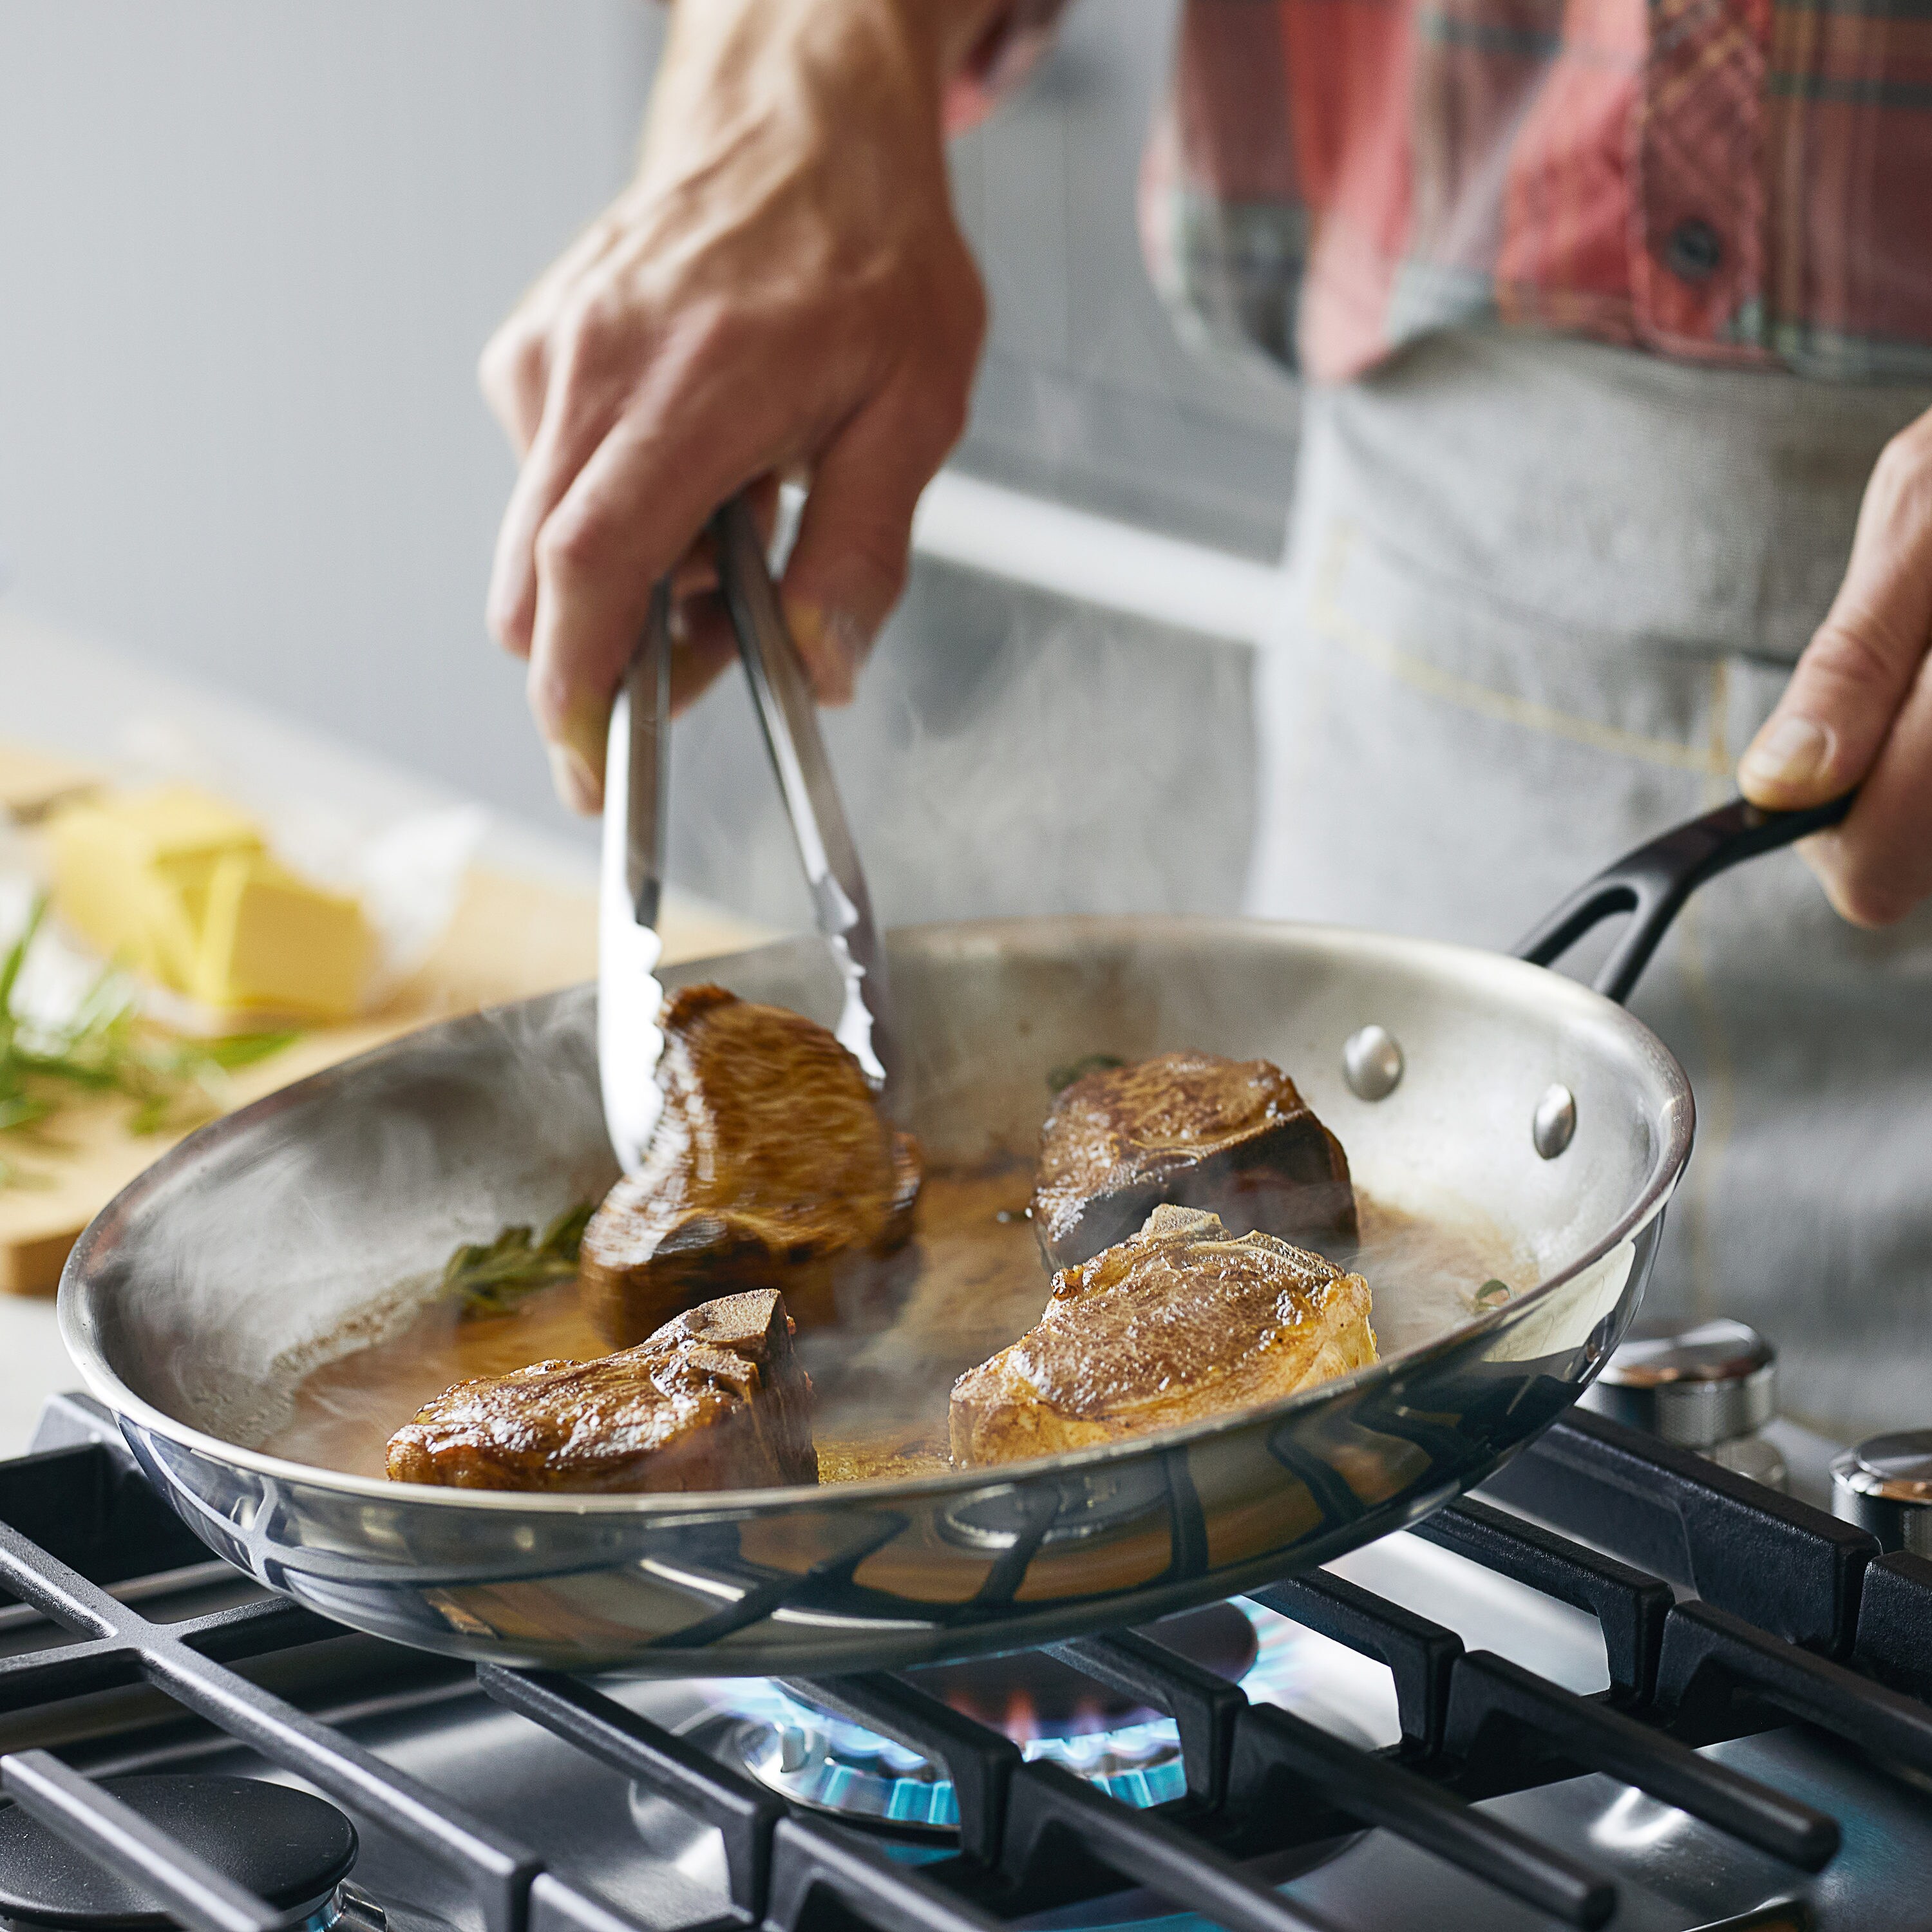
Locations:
(1832, 720)
(848, 566)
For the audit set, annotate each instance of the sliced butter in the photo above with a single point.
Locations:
(179, 885)
(105, 888)
(272, 941)
(176, 822)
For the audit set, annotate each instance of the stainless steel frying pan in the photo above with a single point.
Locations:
(1523, 1097)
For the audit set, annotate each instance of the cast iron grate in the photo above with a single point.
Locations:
(1796, 1616)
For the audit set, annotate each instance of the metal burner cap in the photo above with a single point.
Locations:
(1884, 1485)
(288, 1846)
(1694, 1383)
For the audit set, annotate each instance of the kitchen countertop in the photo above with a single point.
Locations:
(77, 699)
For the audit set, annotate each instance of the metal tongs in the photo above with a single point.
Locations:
(636, 768)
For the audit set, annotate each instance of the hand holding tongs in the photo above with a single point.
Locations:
(636, 768)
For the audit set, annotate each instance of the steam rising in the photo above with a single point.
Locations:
(320, 1220)
(1003, 756)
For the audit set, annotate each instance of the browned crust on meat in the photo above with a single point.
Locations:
(715, 1399)
(770, 1164)
(1231, 1137)
(1183, 1321)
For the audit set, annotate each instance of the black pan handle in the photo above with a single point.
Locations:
(1653, 882)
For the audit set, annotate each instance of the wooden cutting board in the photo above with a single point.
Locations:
(511, 937)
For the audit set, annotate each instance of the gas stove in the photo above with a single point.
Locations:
(1624, 1686)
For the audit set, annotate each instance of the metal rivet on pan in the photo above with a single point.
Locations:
(1372, 1063)
(1554, 1121)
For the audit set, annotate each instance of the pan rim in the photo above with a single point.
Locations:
(1445, 958)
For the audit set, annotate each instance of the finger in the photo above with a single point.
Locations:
(1877, 865)
(633, 509)
(513, 373)
(581, 407)
(696, 570)
(848, 566)
(701, 625)
(706, 647)
(762, 497)
(514, 370)
(555, 459)
(1831, 722)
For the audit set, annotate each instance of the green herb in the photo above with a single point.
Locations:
(492, 1277)
(1493, 1293)
(105, 1046)
(1062, 1078)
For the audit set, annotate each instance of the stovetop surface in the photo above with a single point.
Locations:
(647, 1860)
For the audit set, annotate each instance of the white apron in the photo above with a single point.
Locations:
(1541, 594)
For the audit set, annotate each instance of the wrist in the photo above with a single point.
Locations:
(966, 34)
(942, 36)
(743, 84)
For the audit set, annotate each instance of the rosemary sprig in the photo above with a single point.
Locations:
(491, 1277)
(105, 1046)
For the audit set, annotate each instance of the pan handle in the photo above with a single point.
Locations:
(1653, 882)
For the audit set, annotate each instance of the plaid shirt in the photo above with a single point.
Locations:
(1736, 180)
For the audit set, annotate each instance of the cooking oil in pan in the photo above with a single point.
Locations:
(906, 1326)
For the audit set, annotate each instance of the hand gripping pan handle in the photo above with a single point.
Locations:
(1653, 882)
(787, 710)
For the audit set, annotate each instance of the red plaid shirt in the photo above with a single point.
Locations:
(1740, 180)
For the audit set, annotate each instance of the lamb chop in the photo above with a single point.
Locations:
(1182, 1321)
(715, 1399)
(770, 1164)
(1230, 1136)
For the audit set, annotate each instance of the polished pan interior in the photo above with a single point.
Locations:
(259, 1241)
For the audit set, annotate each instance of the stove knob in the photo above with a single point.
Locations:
(1700, 1384)
(1884, 1485)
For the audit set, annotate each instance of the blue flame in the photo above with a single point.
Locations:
(826, 1761)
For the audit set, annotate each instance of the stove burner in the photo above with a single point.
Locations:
(1048, 1709)
(291, 1848)
(1031, 1695)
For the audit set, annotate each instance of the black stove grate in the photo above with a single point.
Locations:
(1797, 1616)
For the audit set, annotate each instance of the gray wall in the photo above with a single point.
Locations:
(247, 256)
(250, 254)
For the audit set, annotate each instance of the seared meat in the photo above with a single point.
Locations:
(1230, 1136)
(770, 1165)
(1182, 1321)
(715, 1399)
